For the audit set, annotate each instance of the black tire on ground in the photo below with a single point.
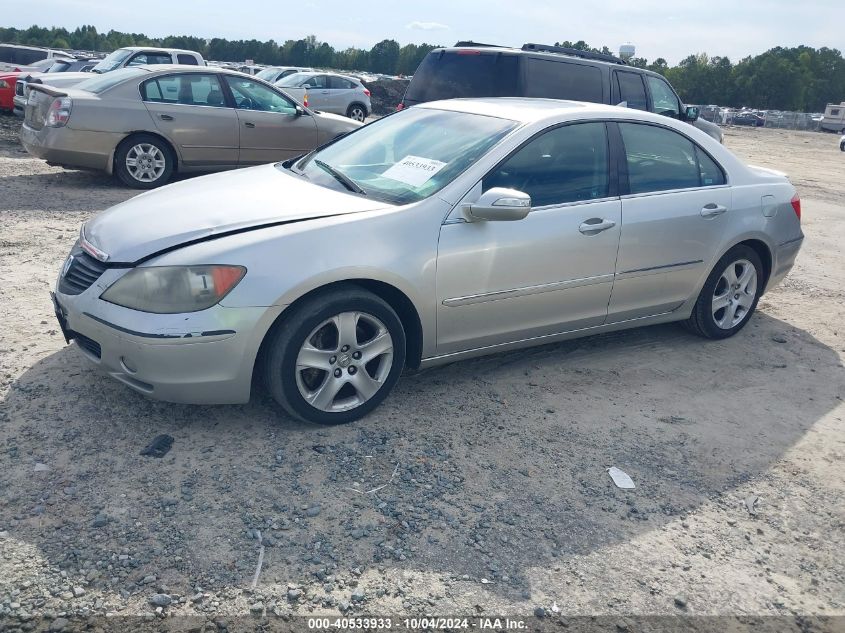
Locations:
(702, 320)
(121, 169)
(357, 111)
(283, 343)
(842, 146)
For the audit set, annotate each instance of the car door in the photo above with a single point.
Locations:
(270, 126)
(548, 273)
(342, 94)
(319, 93)
(191, 111)
(675, 209)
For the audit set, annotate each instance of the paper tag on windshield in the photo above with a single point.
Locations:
(414, 170)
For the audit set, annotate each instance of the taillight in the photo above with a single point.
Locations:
(796, 205)
(366, 92)
(59, 112)
(401, 106)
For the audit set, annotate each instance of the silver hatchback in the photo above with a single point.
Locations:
(448, 230)
(329, 92)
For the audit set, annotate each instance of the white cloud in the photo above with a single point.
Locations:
(426, 26)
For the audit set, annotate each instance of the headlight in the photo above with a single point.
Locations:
(173, 289)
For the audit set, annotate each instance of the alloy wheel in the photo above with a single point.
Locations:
(357, 113)
(344, 361)
(145, 162)
(734, 294)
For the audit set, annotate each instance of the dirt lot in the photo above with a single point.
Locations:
(496, 497)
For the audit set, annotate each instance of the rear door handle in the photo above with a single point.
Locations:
(594, 226)
(165, 117)
(249, 124)
(712, 210)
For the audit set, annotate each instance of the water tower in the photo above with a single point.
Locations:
(627, 50)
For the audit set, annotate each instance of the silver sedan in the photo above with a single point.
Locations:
(449, 230)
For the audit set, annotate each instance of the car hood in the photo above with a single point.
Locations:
(219, 204)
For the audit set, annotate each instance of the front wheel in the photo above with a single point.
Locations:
(729, 296)
(144, 161)
(336, 357)
(842, 146)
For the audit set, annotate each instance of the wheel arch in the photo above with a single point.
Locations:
(396, 298)
(177, 159)
(764, 251)
(358, 103)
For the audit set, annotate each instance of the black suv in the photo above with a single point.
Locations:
(469, 69)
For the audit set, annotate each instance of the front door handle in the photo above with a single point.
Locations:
(249, 124)
(165, 117)
(594, 226)
(712, 210)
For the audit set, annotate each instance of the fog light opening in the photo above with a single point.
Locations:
(128, 366)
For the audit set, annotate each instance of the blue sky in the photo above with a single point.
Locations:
(664, 28)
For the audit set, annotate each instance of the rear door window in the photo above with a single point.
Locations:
(566, 164)
(339, 83)
(631, 90)
(464, 73)
(660, 159)
(562, 80)
(191, 89)
(187, 60)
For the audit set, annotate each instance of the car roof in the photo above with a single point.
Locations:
(311, 73)
(531, 110)
(158, 49)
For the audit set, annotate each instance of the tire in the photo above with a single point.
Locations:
(357, 111)
(310, 373)
(717, 314)
(153, 158)
(842, 146)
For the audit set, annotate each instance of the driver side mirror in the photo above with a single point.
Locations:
(691, 113)
(499, 204)
(300, 111)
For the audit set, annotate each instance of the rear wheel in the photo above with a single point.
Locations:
(729, 296)
(357, 112)
(842, 146)
(336, 357)
(144, 161)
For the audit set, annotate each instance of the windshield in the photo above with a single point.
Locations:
(268, 74)
(111, 61)
(407, 156)
(59, 66)
(101, 84)
(291, 81)
(465, 73)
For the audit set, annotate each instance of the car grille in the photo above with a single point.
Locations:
(84, 270)
(89, 345)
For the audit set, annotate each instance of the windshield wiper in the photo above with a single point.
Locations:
(342, 178)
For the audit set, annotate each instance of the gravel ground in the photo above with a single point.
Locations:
(477, 488)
